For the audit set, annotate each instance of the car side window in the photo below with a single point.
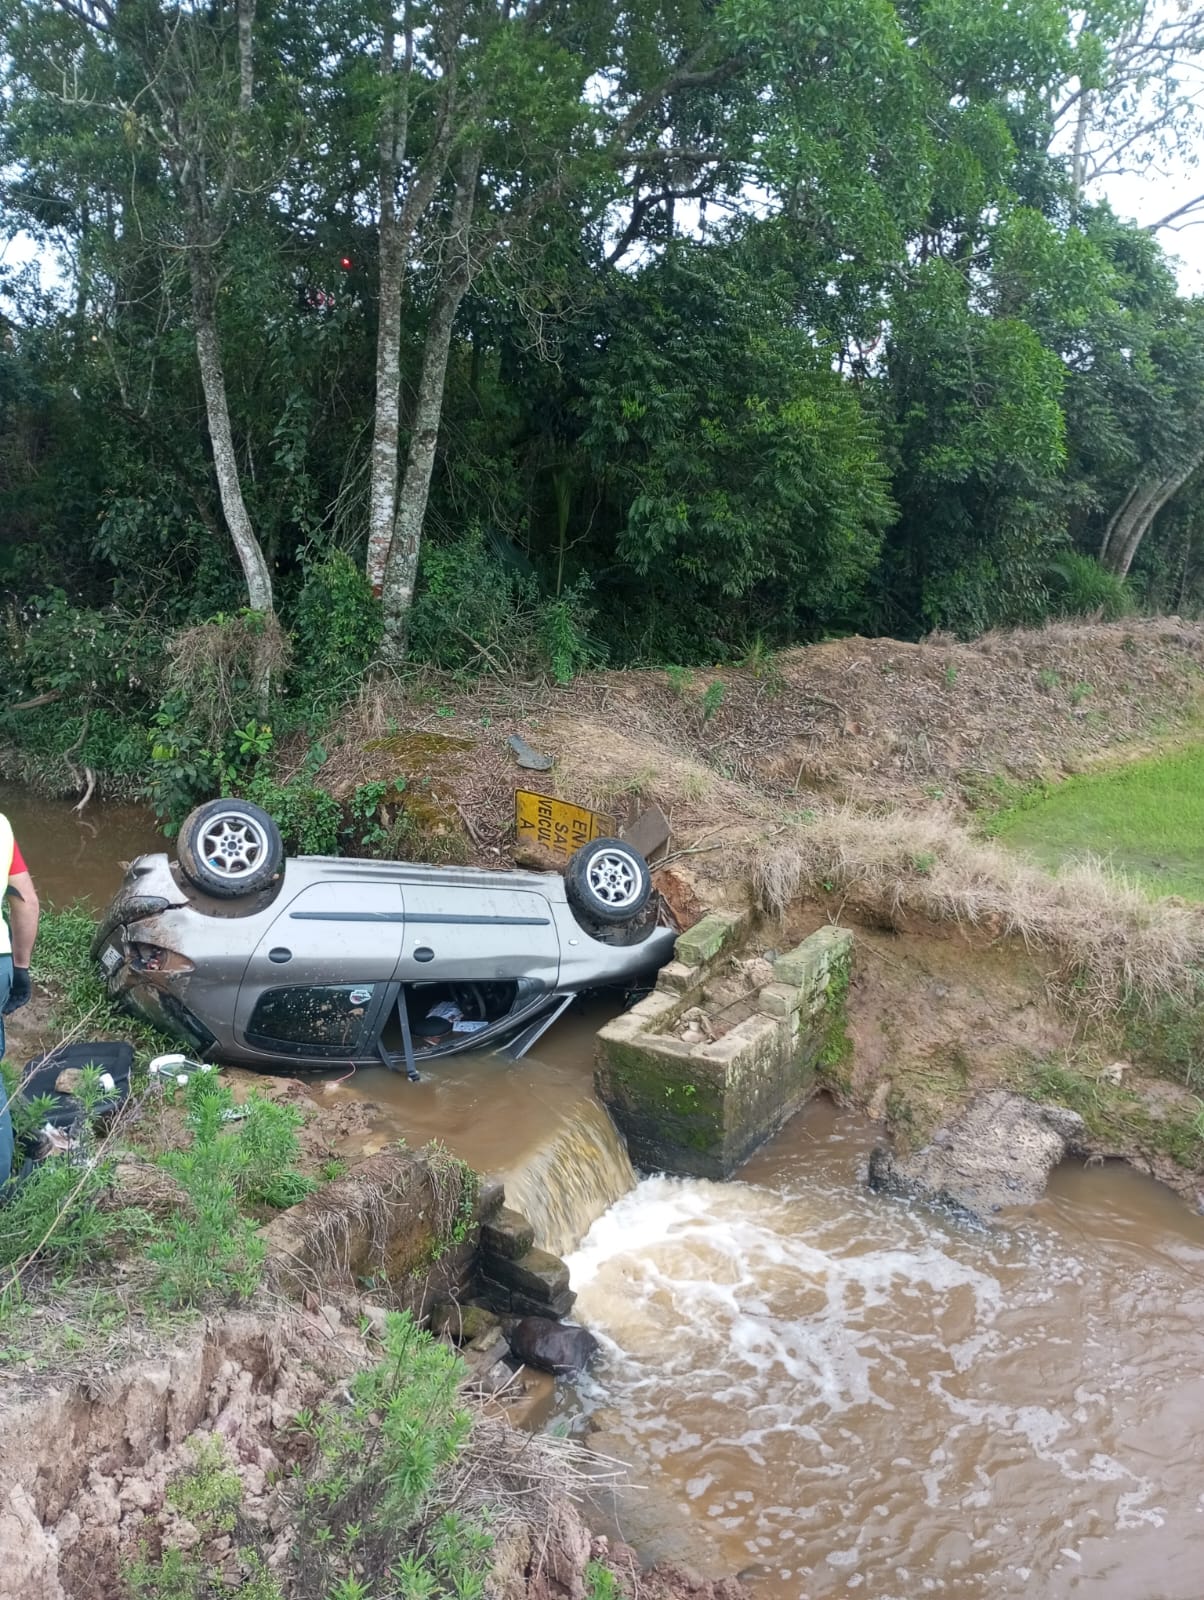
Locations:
(330, 1015)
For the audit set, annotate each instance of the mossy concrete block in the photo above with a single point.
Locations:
(708, 938)
(701, 1109)
(666, 1103)
(507, 1234)
(779, 1000)
(809, 965)
(462, 1324)
(677, 977)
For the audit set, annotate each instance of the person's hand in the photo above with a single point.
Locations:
(21, 992)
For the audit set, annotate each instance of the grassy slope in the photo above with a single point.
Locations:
(1147, 819)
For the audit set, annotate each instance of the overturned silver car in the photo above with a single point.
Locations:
(246, 956)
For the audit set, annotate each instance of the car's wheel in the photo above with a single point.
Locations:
(608, 882)
(229, 848)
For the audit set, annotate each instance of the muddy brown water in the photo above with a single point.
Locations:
(77, 855)
(849, 1396)
(857, 1398)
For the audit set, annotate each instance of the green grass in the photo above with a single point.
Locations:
(1121, 1116)
(1146, 818)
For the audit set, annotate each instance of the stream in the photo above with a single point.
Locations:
(851, 1397)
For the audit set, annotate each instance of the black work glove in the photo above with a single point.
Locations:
(20, 993)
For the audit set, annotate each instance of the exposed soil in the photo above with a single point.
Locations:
(85, 1467)
(872, 721)
(940, 1014)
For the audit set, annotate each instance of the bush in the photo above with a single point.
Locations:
(1080, 587)
(309, 818)
(377, 1468)
(479, 609)
(472, 610)
(336, 631)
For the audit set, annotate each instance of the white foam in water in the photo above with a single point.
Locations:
(811, 1363)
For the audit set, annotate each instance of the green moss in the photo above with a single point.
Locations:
(1120, 1117)
(684, 1106)
(834, 1063)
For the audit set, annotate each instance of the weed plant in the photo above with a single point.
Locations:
(368, 1502)
(64, 1219)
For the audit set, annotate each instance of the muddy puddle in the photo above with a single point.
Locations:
(77, 856)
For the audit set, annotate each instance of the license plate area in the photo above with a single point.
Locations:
(110, 960)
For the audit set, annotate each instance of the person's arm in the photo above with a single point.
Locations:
(23, 913)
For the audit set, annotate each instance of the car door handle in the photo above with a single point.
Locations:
(424, 953)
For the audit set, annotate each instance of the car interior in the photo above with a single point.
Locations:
(479, 1003)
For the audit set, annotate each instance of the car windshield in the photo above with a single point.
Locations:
(331, 1015)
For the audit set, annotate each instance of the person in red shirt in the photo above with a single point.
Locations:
(17, 938)
(23, 913)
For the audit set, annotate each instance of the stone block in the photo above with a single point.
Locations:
(538, 1274)
(778, 1000)
(653, 1007)
(497, 1296)
(706, 939)
(491, 1196)
(701, 1110)
(807, 966)
(677, 977)
(525, 1305)
(506, 1234)
(463, 1324)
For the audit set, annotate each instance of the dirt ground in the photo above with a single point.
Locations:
(869, 721)
(939, 1014)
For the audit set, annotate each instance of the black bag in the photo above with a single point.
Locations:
(107, 1055)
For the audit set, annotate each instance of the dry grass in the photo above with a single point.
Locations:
(759, 783)
(214, 661)
(872, 720)
(1110, 940)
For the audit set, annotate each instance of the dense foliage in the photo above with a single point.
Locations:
(709, 324)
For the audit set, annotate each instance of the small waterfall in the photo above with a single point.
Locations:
(570, 1179)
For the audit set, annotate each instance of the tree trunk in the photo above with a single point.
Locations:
(225, 463)
(382, 496)
(1136, 516)
(246, 54)
(401, 569)
(1078, 163)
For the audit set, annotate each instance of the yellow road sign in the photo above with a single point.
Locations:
(555, 824)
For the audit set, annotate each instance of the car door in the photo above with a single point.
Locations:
(318, 978)
(477, 934)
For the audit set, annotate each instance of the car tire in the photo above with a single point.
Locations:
(608, 882)
(229, 848)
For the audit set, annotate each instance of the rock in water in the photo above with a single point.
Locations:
(557, 1347)
(998, 1152)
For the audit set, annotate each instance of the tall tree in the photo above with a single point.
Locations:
(177, 86)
